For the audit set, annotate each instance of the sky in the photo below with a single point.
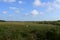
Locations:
(29, 10)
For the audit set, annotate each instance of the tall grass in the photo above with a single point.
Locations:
(28, 31)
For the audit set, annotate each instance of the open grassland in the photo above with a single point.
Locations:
(28, 31)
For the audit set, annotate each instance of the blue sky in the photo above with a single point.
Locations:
(29, 10)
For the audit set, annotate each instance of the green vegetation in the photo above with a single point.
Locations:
(30, 30)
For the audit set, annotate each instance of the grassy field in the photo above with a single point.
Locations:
(28, 31)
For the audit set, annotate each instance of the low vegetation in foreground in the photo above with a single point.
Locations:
(30, 30)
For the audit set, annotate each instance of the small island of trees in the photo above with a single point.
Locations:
(2, 21)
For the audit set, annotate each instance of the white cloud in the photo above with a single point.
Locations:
(26, 14)
(34, 12)
(13, 8)
(50, 9)
(57, 1)
(56, 5)
(20, 2)
(10, 15)
(41, 13)
(52, 6)
(5, 12)
(16, 11)
(43, 4)
(37, 3)
(9, 0)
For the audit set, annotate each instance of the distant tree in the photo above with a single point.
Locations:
(2, 21)
(58, 21)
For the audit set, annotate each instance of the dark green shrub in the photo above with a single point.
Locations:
(24, 34)
(51, 34)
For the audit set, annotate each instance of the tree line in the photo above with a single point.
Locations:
(2, 21)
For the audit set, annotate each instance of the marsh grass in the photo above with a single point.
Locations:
(19, 31)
